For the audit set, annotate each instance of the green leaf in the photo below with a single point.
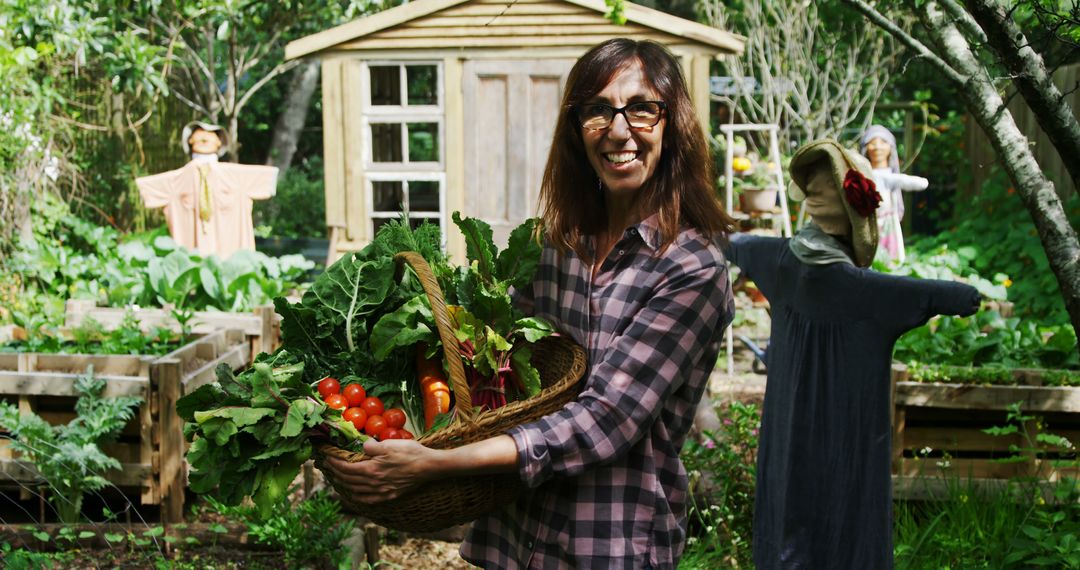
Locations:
(525, 372)
(301, 414)
(517, 263)
(404, 327)
(479, 244)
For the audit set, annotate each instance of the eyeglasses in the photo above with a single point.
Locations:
(640, 115)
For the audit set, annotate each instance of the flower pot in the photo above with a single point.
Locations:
(757, 199)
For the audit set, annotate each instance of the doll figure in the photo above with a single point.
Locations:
(207, 203)
(879, 146)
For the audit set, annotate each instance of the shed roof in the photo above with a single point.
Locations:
(501, 23)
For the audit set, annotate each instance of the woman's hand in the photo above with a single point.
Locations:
(397, 465)
(394, 467)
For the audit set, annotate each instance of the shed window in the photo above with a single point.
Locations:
(392, 194)
(404, 125)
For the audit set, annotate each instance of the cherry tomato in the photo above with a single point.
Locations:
(354, 393)
(357, 416)
(329, 386)
(390, 433)
(395, 417)
(337, 401)
(374, 426)
(406, 434)
(373, 406)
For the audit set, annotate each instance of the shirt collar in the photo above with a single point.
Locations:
(649, 230)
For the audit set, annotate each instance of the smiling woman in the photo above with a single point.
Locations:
(631, 271)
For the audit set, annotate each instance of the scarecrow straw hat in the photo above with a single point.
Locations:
(840, 194)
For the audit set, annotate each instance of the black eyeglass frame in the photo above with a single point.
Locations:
(576, 109)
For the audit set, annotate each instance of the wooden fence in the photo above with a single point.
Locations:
(981, 154)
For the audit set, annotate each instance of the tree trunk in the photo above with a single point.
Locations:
(1058, 237)
(1032, 81)
(290, 123)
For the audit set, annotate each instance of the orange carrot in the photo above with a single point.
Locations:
(434, 391)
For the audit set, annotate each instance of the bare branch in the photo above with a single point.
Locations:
(905, 38)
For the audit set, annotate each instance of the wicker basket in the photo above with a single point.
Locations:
(453, 501)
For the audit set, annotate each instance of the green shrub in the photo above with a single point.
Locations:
(68, 456)
(309, 532)
(298, 209)
(993, 234)
(722, 471)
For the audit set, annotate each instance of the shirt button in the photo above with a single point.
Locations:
(622, 252)
(529, 544)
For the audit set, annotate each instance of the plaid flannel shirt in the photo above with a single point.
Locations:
(606, 488)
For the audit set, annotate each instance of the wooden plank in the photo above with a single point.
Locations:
(168, 374)
(333, 141)
(363, 26)
(942, 488)
(492, 42)
(522, 31)
(454, 107)
(501, 8)
(478, 25)
(13, 470)
(954, 439)
(236, 357)
(968, 396)
(270, 334)
(353, 88)
(57, 384)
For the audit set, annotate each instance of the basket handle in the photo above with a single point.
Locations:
(463, 410)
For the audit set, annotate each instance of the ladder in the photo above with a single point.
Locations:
(784, 226)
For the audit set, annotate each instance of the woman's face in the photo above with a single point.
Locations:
(878, 151)
(625, 158)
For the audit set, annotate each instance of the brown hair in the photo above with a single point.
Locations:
(681, 189)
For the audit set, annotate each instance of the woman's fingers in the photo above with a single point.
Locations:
(392, 468)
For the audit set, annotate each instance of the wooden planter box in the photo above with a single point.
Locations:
(262, 325)
(151, 447)
(948, 418)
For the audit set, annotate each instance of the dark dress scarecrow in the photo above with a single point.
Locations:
(823, 478)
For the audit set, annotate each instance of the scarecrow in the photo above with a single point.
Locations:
(208, 203)
(823, 474)
(879, 146)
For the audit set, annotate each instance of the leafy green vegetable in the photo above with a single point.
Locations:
(360, 322)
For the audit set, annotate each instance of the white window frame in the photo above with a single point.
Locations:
(404, 178)
(405, 170)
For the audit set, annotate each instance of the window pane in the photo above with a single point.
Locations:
(422, 82)
(423, 196)
(386, 142)
(415, 222)
(423, 142)
(387, 195)
(377, 223)
(385, 85)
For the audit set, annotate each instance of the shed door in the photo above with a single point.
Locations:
(510, 111)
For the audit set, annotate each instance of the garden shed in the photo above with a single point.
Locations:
(449, 105)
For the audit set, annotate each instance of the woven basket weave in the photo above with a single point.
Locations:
(456, 500)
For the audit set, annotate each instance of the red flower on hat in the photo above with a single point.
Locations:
(861, 193)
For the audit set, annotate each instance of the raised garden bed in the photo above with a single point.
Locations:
(151, 446)
(261, 325)
(938, 436)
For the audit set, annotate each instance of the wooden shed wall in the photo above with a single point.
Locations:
(494, 24)
(982, 156)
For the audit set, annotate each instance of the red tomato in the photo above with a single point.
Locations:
(375, 425)
(337, 401)
(329, 386)
(406, 434)
(357, 416)
(395, 417)
(390, 433)
(354, 393)
(373, 406)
